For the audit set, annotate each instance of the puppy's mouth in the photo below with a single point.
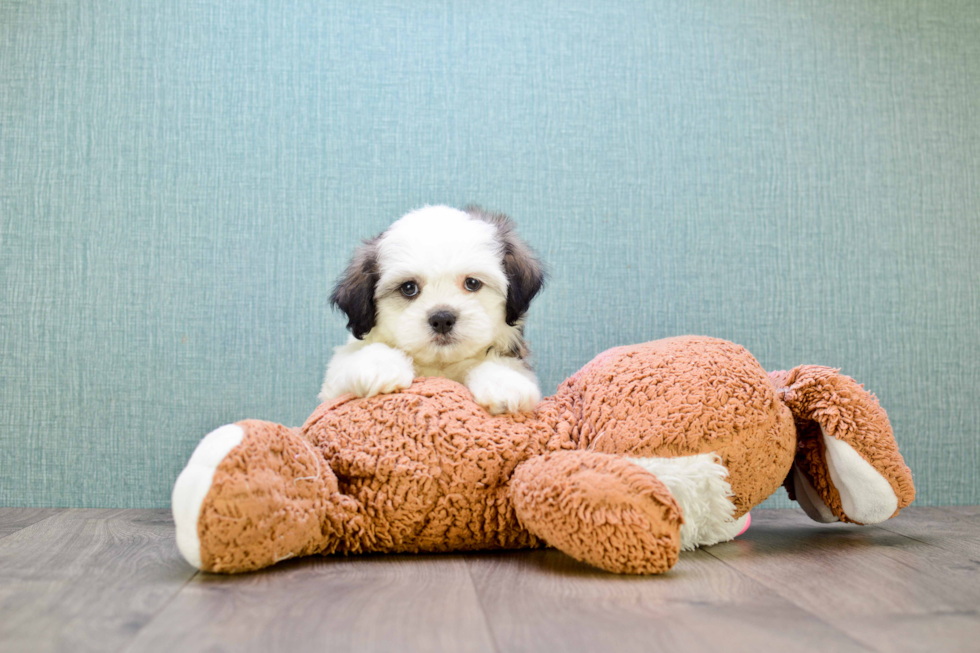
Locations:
(443, 339)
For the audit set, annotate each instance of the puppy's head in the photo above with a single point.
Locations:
(442, 285)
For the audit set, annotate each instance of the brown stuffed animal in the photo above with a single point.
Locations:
(649, 449)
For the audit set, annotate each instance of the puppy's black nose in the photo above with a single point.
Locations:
(442, 321)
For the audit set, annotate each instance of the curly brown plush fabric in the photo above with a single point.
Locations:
(601, 509)
(427, 469)
(825, 401)
(275, 498)
(684, 396)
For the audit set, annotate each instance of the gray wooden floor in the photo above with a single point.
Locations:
(112, 580)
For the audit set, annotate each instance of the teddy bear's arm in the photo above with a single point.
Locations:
(600, 509)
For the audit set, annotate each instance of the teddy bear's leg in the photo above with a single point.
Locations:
(600, 509)
(847, 465)
(193, 484)
(252, 494)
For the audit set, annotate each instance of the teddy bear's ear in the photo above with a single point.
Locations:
(847, 461)
(801, 489)
(525, 272)
(354, 292)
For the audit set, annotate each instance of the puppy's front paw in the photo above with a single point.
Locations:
(500, 389)
(373, 370)
(379, 369)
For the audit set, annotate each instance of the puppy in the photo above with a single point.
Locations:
(442, 292)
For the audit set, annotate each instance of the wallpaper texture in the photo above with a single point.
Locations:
(181, 182)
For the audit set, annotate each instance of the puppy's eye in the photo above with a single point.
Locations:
(409, 289)
(472, 284)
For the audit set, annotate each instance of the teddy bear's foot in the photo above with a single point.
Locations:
(252, 494)
(193, 484)
(600, 509)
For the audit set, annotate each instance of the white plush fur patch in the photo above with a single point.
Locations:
(193, 484)
(700, 486)
(865, 495)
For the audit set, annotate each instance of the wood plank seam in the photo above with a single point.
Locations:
(132, 642)
(54, 512)
(483, 608)
(868, 531)
(776, 590)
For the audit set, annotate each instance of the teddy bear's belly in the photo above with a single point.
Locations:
(418, 509)
(436, 481)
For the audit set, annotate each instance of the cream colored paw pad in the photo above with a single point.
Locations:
(193, 484)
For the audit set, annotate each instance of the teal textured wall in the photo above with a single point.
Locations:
(180, 183)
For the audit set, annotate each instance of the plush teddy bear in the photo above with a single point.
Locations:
(647, 450)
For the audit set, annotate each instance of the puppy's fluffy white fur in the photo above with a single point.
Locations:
(427, 264)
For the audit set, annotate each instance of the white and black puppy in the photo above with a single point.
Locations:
(442, 292)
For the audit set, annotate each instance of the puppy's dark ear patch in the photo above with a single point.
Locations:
(354, 292)
(525, 273)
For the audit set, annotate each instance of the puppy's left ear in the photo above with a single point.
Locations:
(354, 292)
(525, 273)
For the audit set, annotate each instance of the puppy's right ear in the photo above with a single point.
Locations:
(525, 274)
(354, 292)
